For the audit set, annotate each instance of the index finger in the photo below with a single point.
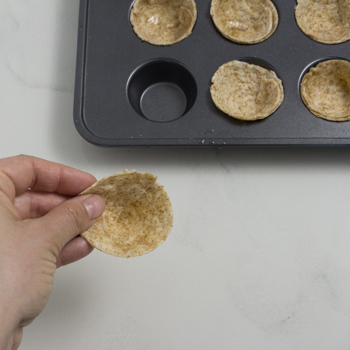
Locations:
(20, 173)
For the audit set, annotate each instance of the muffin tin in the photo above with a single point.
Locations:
(131, 93)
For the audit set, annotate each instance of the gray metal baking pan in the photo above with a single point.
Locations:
(131, 93)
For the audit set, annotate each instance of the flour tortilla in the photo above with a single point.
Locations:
(138, 215)
(325, 90)
(326, 21)
(163, 22)
(246, 91)
(245, 21)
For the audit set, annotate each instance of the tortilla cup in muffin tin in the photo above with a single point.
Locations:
(163, 22)
(132, 93)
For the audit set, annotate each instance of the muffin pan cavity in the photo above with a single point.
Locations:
(324, 89)
(129, 92)
(315, 63)
(161, 90)
(163, 22)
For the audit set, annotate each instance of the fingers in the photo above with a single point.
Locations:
(17, 174)
(32, 204)
(74, 250)
(69, 219)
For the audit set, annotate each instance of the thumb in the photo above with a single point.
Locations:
(71, 218)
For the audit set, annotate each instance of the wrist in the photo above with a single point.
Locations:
(10, 331)
(10, 335)
(12, 340)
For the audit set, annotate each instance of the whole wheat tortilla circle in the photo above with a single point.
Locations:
(138, 216)
(163, 22)
(246, 91)
(325, 21)
(245, 21)
(325, 90)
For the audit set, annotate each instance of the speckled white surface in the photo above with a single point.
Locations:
(259, 257)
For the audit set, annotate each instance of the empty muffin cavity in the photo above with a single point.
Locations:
(162, 90)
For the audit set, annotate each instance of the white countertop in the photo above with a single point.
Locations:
(259, 256)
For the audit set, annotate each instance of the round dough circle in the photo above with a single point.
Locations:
(325, 21)
(246, 91)
(245, 21)
(138, 215)
(163, 22)
(325, 90)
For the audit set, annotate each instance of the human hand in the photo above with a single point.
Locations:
(40, 220)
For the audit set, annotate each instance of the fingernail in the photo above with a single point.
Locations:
(95, 206)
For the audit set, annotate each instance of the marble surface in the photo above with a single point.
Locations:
(259, 256)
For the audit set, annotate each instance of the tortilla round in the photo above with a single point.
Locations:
(163, 22)
(138, 215)
(325, 21)
(245, 21)
(246, 91)
(325, 90)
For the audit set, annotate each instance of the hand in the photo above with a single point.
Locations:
(40, 220)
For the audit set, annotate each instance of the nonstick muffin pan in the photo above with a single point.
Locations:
(131, 93)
